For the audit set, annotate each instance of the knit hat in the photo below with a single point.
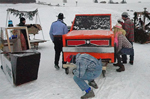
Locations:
(61, 16)
(71, 58)
(120, 20)
(124, 14)
(118, 25)
(10, 23)
(22, 19)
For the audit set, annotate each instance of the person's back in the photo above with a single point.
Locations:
(123, 43)
(129, 28)
(91, 62)
(87, 63)
(58, 28)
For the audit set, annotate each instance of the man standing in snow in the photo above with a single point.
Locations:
(129, 28)
(88, 68)
(24, 44)
(58, 28)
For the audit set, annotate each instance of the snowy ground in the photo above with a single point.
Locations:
(133, 83)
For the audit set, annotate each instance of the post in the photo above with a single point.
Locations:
(7, 18)
(8, 40)
(28, 37)
(144, 15)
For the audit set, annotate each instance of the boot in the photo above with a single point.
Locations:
(93, 84)
(117, 64)
(124, 62)
(67, 70)
(121, 68)
(131, 62)
(57, 67)
(90, 94)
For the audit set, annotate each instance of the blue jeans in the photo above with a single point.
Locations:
(89, 76)
(124, 57)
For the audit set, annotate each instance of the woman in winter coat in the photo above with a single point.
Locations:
(123, 46)
(88, 68)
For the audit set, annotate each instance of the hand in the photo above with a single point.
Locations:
(74, 70)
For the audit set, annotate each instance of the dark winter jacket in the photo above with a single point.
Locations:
(129, 28)
(23, 31)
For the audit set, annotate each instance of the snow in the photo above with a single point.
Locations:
(133, 83)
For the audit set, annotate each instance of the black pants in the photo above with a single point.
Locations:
(58, 44)
(119, 58)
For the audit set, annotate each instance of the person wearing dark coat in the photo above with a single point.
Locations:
(129, 28)
(23, 31)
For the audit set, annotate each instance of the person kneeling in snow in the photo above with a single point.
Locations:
(123, 46)
(87, 68)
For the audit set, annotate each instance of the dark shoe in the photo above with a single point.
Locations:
(121, 69)
(124, 62)
(67, 70)
(117, 64)
(131, 62)
(88, 95)
(93, 84)
(1, 67)
(57, 67)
